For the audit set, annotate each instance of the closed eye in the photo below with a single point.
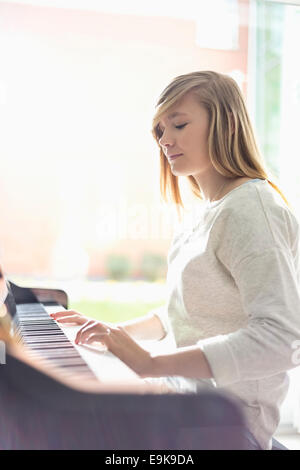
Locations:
(159, 131)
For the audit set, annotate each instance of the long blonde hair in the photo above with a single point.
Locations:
(233, 154)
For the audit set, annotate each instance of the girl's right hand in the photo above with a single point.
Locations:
(70, 316)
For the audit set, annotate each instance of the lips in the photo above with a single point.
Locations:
(172, 157)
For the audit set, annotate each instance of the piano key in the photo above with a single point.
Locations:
(52, 346)
(38, 327)
(36, 333)
(56, 354)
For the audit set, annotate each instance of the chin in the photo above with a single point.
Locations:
(180, 173)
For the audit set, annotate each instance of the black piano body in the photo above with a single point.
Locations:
(39, 412)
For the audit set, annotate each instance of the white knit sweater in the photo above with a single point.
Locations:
(234, 289)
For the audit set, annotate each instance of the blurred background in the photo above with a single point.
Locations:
(79, 170)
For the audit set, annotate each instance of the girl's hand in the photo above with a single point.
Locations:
(69, 316)
(119, 343)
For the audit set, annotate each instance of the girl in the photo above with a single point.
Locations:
(233, 303)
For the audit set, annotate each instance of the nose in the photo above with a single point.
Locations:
(166, 140)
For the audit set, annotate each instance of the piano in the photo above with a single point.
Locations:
(58, 395)
(54, 342)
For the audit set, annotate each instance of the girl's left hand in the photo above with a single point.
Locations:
(119, 343)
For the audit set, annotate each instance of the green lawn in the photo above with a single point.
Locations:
(113, 311)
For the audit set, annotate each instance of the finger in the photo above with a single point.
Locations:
(84, 328)
(78, 320)
(93, 337)
(101, 327)
(99, 337)
(63, 313)
(86, 331)
(67, 316)
(93, 333)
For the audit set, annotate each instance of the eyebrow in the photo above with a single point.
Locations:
(177, 113)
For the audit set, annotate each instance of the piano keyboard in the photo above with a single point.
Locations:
(45, 339)
(54, 342)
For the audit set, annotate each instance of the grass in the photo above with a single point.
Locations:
(113, 311)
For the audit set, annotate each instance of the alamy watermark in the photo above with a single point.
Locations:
(119, 220)
(2, 353)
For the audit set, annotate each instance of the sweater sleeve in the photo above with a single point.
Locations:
(162, 314)
(269, 290)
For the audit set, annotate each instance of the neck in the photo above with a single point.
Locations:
(212, 185)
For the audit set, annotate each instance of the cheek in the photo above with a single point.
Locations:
(197, 140)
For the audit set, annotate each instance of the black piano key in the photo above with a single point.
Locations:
(30, 342)
(56, 354)
(52, 346)
(36, 323)
(36, 333)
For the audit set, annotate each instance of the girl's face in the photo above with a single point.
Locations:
(185, 131)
